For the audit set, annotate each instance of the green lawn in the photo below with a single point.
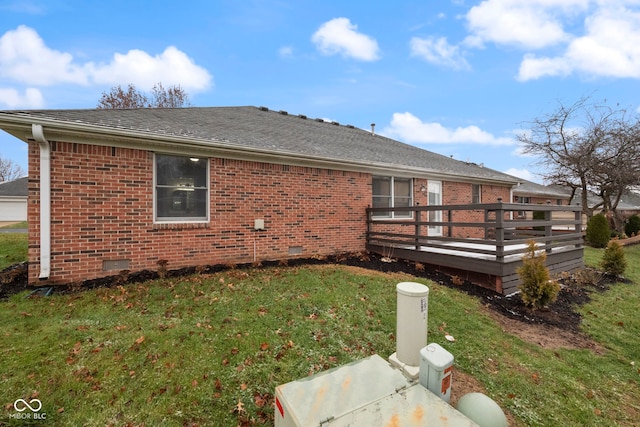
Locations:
(13, 249)
(210, 349)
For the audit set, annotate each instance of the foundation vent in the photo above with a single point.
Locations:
(115, 265)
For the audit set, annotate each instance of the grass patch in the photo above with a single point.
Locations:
(23, 224)
(13, 249)
(212, 348)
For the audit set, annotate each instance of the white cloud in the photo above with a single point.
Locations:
(339, 36)
(439, 52)
(523, 173)
(12, 99)
(24, 58)
(610, 47)
(531, 24)
(170, 67)
(409, 128)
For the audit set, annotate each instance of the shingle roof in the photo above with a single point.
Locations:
(529, 188)
(264, 130)
(17, 188)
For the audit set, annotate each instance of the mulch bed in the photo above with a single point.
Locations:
(562, 313)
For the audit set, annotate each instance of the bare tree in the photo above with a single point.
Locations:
(587, 147)
(118, 98)
(9, 170)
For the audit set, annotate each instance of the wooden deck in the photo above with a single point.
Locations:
(482, 243)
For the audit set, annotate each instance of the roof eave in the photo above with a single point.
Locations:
(83, 133)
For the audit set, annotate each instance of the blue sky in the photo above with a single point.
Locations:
(458, 77)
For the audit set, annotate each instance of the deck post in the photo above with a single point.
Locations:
(417, 228)
(547, 229)
(500, 232)
(578, 225)
(369, 216)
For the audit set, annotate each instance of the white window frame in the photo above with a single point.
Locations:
(181, 219)
(392, 197)
(434, 230)
(523, 199)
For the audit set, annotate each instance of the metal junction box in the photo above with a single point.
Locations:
(368, 392)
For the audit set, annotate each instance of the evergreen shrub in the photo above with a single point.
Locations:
(632, 225)
(537, 288)
(598, 233)
(613, 260)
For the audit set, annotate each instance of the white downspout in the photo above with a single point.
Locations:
(45, 200)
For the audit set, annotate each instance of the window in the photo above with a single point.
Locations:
(390, 192)
(435, 199)
(523, 199)
(181, 188)
(476, 194)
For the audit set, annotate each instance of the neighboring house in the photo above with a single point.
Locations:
(114, 190)
(532, 193)
(13, 200)
(628, 205)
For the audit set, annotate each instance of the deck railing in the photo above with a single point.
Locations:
(494, 229)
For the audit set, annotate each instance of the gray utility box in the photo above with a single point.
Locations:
(368, 392)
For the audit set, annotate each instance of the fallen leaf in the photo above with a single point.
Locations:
(140, 340)
(264, 346)
(243, 386)
(218, 384)
(239, 408)
(597, 411)
(60, 410)
(194, 383)
(450, 338)
(259, 400)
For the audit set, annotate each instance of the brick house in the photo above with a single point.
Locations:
(113, 190)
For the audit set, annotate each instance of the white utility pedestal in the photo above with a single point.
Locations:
(411, 327)
(436, 368)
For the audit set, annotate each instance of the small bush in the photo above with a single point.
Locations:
(613, 261)
(537, 288)
(598, 233)
(632, 225)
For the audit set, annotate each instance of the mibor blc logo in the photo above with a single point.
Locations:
(23, 407)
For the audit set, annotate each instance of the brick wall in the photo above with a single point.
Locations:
(460, 193)
(102, 210)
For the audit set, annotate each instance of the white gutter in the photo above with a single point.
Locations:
(45, 200)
